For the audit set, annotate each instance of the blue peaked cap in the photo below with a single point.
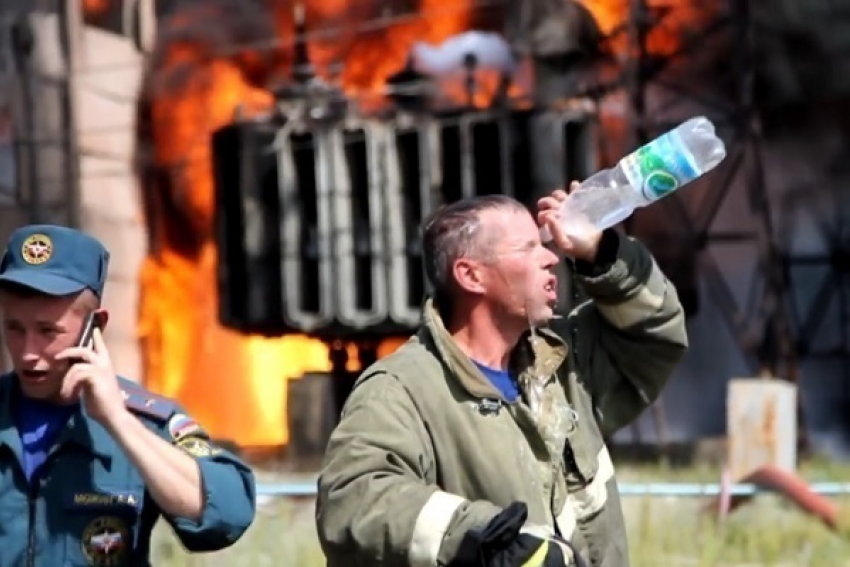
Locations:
(55, 260)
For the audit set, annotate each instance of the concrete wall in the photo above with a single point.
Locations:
(107, 87)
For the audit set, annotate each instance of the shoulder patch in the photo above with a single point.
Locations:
(181, 425)
(198, 447)
(140, 401)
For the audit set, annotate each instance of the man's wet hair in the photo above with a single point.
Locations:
(452, 232)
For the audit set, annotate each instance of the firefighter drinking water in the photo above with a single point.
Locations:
(481, 440)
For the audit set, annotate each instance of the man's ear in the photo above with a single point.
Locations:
(102, 317)
(468, 275)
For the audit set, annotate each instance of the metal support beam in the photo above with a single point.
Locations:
(744, 159)
(763, 329)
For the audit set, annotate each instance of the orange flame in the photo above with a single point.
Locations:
(372, 45)
(95, 7)
(673, 20)
(371, 57)
(609, 14)
(236, 385)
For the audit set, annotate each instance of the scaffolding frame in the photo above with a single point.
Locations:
(779, 342)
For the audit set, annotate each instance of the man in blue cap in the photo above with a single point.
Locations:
(88, 460)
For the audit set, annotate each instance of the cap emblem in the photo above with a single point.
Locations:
(37, 249)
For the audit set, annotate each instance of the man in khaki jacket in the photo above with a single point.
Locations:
(481, 440)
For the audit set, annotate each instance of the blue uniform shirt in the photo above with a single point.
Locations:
(88, 505)
(503, 380)
(38, 423)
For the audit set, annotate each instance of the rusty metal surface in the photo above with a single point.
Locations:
(761, 425)
(787, 484)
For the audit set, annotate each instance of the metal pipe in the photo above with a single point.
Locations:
(654, 489)
(743, 489)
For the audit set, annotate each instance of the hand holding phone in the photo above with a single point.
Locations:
(90, 377)
(92, 321)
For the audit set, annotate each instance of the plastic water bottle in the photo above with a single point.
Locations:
(648, 174)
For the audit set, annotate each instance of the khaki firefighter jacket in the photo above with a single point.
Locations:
(427, 449)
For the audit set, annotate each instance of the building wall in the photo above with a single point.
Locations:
(107, 88)
(90, 134)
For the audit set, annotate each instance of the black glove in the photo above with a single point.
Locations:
(500, 544)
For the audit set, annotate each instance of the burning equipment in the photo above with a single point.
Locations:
(319, 204)
(325, 190)
(318, 221)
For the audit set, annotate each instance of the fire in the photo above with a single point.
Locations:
(371, 57)
(235, 384)
(95, 7)
(371, 44)
(187, 354)
(609, 14)
(670, 21)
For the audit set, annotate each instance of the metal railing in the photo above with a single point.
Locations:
(651, 489)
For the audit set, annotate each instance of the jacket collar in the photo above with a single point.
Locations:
(539, 357)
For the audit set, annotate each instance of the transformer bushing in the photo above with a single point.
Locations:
(317, 222)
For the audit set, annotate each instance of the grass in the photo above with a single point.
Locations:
(283, 535)
(662, 531)
(767, 531)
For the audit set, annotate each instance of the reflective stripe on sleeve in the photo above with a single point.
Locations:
(566, 519)
(592, 498)
(430, 528)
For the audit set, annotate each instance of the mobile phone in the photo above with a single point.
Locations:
(91, 322)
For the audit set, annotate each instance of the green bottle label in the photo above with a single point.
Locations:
(660, 167)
